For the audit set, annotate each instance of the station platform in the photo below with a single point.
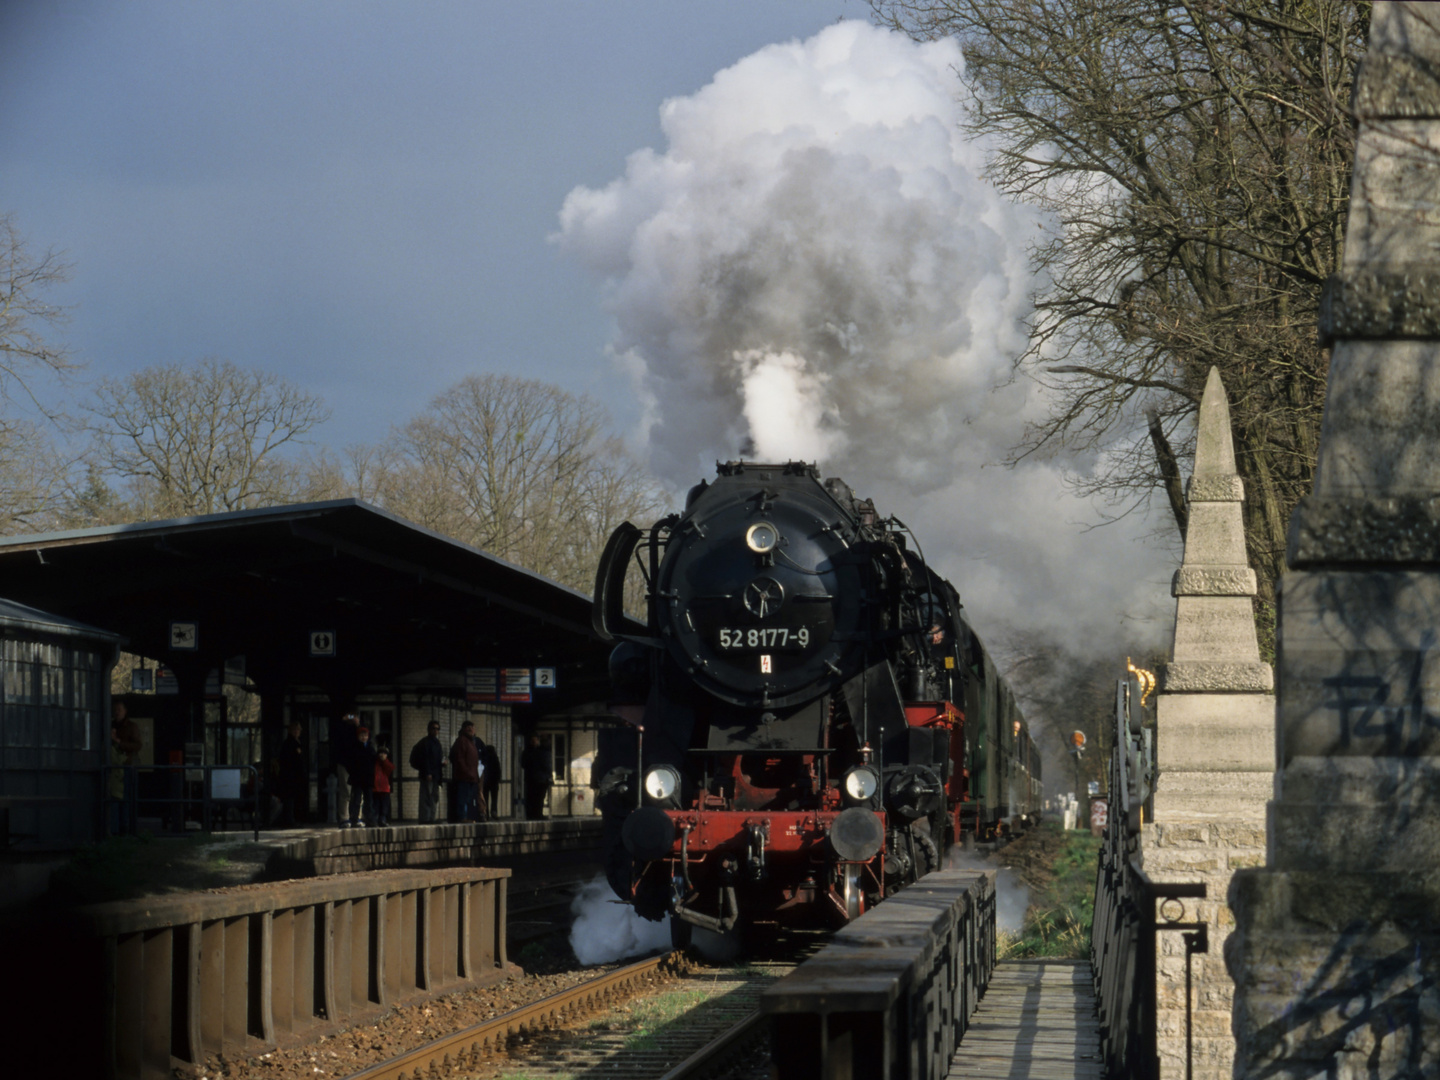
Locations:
(313, 852)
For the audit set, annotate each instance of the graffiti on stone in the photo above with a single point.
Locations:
(1365, 709)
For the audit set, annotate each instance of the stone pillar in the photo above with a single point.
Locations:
(1335, 953)
(1214, 743)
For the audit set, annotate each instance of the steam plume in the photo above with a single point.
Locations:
(605, 930)
(815, 268)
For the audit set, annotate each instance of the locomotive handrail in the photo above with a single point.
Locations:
(607, 613)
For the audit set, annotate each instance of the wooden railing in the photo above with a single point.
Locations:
(892, 994)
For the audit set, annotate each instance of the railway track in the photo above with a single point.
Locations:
(690, 1021)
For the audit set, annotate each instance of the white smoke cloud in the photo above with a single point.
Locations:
(1012, 896)
(815, 268)
(606, 930)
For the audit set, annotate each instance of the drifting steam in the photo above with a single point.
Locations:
(1012, 896)
(606, 930)
(815, 268)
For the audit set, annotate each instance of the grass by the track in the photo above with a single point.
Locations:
(1059, 866)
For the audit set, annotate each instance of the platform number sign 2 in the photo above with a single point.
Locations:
(544, 678)
(322, 642)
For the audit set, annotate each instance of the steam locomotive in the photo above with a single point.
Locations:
(812, 721)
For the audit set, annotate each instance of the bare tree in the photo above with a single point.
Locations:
(200, 439)
(32, 472)
(33, 479)
(24, 281)
(517, 467)
(1196, 157)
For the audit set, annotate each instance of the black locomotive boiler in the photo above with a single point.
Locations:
(812, 721)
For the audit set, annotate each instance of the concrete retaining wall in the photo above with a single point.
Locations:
(233, 972)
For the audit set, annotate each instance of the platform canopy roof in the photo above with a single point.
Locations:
(402, 605)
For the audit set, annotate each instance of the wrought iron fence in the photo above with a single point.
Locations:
(200, 793)
(1130, 908)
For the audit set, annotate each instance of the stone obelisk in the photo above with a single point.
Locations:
(1214, 732)
(1336, 955)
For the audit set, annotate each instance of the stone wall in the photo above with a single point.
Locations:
(1211, 853)
(1336, 951)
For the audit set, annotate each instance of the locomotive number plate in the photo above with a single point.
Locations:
(765, 637)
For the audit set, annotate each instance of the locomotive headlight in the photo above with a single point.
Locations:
(761, 538)
(861, 783)
(662, 783)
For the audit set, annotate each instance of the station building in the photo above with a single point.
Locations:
(229, 626)
(54, 735)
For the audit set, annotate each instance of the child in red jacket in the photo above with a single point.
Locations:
(384, 768)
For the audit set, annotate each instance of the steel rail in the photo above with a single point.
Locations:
(700, 1062)
(463, 1049)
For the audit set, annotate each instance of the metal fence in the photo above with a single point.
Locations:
(1130, 908)
(199, 793)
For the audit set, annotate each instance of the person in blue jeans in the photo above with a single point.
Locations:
(465, 760)
(362, 779)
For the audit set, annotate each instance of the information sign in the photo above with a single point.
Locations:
(544, 678)
(224, 783)
(194, 755)
(322, 642)
(184, 636)
(166, 682)
(142, 680)
(481, 684)
(515, 684)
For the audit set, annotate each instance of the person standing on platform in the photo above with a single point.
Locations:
(362, 780)
(490, 777)
(482, 806)
(465, 760)
(125, 746)
(538, 769)
(384, 769)
(427, 758)
(342, 749)
(290, 779)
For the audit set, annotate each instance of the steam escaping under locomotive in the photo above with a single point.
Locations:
(812, 721)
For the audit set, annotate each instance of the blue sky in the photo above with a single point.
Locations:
(361, 196)
(357, 195)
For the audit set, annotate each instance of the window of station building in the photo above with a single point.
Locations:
(559, 763)
(232, 727)
(381, 723)
(51, 695)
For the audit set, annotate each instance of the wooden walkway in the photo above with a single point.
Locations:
(1035, 1022)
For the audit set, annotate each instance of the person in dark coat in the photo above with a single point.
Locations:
(465, 760)
(342, 749)
(125, 744)
(538, 769)
(362, 779)
(427, 758)
(489, 776)
(290, 778)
